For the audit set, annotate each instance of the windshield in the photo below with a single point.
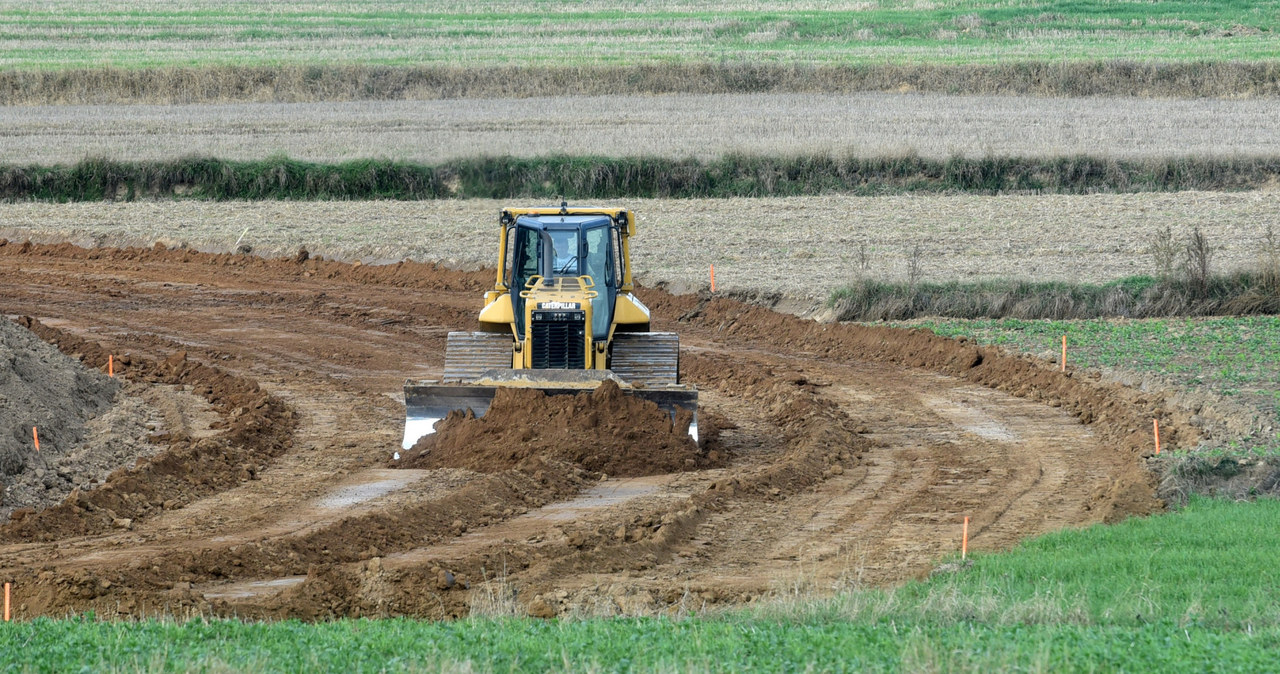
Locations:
(564, 251)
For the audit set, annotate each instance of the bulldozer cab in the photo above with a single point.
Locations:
(556, 246)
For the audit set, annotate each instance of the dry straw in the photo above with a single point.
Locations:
(302, 83)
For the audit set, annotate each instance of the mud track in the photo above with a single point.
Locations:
(853, 454)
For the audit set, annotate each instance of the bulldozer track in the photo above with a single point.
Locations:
(646, 358)
(854, 454)
(468, 354)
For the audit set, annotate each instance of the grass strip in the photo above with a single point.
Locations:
(578, 178)
(1202, 566)
(1186, 591)
(1235, 356)
(623, 645)
(350, 82)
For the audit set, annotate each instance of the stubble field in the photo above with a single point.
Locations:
(675, 126)
(800, 247)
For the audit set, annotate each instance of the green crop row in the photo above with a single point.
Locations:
(1190, 591)
(65, 34)
(613, 177)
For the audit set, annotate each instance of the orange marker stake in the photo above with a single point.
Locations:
(1155, 425)
(1064, 353)
(35, 435)
(713, 278)
(111, 365)
(964, 541)
(6, 602)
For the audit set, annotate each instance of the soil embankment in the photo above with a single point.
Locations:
(44, 389)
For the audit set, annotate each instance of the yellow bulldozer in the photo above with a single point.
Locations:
(561, 318)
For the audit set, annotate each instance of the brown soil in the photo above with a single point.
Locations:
(257, 427)
(42, 389)
(854, 454)
(604, 431)
(121, 436)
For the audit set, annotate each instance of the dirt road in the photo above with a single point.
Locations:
(853, 454)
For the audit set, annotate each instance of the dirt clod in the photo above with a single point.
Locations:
(539, 608)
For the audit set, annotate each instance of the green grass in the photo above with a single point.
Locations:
(1210, 565)
(1237, 357)
(639, 645)
(1194, 590)
(67, 34)
(1227, 355)
(733, 175)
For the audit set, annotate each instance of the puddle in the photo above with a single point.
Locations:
(251, 588)
(611, 492)
(971, 419)
(387, 480)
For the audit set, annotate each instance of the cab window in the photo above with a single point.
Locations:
(528, 251)
(564, 252)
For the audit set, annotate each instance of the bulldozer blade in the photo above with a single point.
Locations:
(427, 402)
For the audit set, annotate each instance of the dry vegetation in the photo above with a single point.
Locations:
(802, 247)
(169, 84)
(676, 126)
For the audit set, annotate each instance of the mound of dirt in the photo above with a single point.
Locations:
(605, 431)
(256, 427)
(40, 387)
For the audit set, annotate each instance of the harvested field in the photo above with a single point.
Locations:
(799, 247)
(854, 452)
(675, 126)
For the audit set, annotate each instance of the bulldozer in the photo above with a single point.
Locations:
(562, 317)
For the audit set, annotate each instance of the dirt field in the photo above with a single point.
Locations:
(801, 247)
(677, 125)
(851, 454)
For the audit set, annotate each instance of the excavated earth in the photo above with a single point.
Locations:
(604, 431)
(842, 454)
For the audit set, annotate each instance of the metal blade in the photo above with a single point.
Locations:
(427, 402)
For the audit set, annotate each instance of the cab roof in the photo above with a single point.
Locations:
(543, 214)
(568, 220)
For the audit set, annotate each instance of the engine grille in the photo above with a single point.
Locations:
(559, 340)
